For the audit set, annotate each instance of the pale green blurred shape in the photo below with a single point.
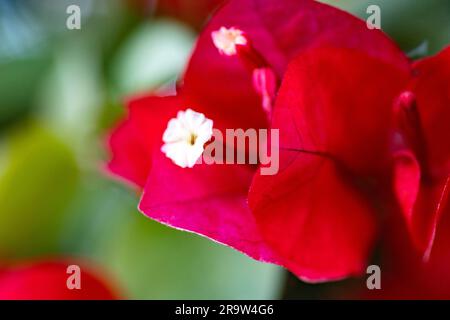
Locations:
(153, 55)
(72, 92)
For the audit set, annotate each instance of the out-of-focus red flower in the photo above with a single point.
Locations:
(47, 280)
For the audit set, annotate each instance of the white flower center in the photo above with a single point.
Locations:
(185, 137)
(226, 40)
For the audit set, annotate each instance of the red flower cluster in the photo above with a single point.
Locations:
(364, 139)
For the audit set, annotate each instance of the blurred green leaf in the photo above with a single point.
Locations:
(158, 262)
(18, 83)
(36, 183)
(71, 92)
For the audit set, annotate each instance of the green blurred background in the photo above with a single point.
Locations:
(61, 91)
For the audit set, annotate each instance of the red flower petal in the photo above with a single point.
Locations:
(423, 184)
(432, 90)
(339, 102)
(321, 226)
(333, 112)
(209, 200)
(422, 201)
(48, 281)
(129, 158)
(405, 274)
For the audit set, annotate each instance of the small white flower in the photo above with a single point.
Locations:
(226, 40)
(185, 137)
